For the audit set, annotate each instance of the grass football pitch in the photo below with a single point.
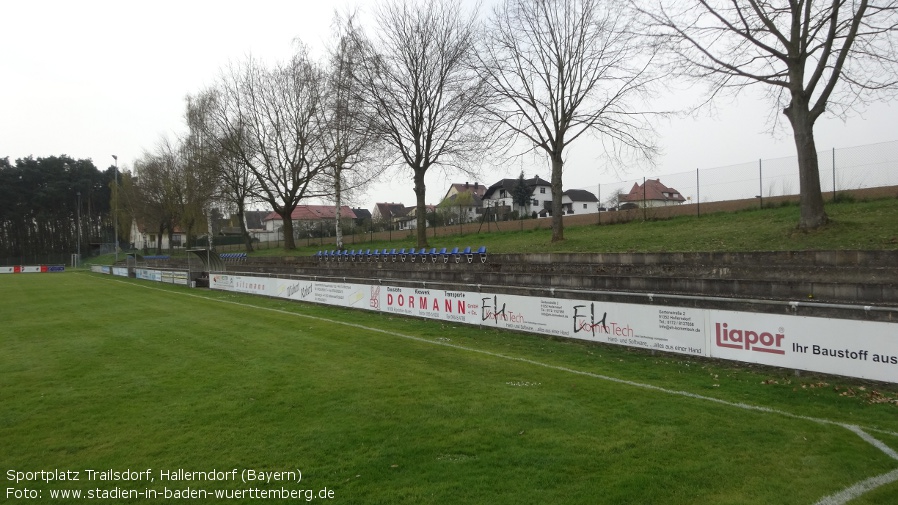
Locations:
(150, 393)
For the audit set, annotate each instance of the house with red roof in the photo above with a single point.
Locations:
(392, 215)
(651, 194)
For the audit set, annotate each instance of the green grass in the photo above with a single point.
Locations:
(110, 373)
(858, 225)
(864, 225)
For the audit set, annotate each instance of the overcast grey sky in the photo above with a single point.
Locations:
(93, 78)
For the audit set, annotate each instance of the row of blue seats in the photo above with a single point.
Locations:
(402, 255)
(233, 256)
(160, 257)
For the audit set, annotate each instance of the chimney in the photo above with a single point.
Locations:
(476, 184)
(466, 184)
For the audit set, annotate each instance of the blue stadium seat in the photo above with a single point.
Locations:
(482, 253)
(412, 254)
(402, 254)
(393, 255)
(468, 254)
(434, 254)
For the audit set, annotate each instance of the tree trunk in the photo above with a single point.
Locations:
(812, 213)
(420, 191)
(338, 228)
(247, 239)
(159, 239)
(557, 221)
(287, 229)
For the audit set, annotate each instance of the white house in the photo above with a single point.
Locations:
(463, 202)
(410, 220)
(500, 196)
(145, 238)
(307, 220)
(579, 201)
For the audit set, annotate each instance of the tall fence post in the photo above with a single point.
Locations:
(834, 174)
(760, 185)
(644, 211)
(698, 195)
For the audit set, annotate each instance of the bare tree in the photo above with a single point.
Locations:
(348, 129)
(236, 183)
(150, 194)
(418, 80)
(810, 57)
(559, 69)
(197, 174)
(269, 120)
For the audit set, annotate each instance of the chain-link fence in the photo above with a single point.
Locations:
(868, 166)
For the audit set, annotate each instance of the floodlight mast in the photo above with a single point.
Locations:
(78, 255)
(115, 211)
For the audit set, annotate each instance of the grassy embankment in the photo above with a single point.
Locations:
(864, 225)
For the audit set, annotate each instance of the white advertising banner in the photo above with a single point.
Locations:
(680, 330)
(120, 271)
(343, 294)
(244, 284)
(31, 269)
(430, 303)
(293, 289)
(174, 277)
(866, 349)
(149, 275)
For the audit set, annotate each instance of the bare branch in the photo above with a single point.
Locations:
(561, 69)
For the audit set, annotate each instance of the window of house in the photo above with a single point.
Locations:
(501, 193)
(542, 191)
(535, 203)
(584, 205)
(176, 240)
